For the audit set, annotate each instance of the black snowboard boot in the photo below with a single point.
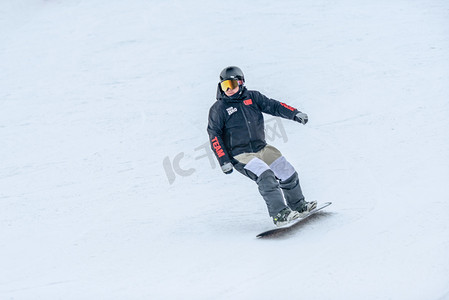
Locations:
(285, 216)
(305, 207)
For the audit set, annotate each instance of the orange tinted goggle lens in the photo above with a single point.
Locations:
(229, 84)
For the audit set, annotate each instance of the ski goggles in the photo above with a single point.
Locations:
(230, 84)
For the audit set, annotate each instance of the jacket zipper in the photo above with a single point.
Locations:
(247, 126)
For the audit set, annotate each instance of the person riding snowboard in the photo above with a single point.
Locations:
(237, 137)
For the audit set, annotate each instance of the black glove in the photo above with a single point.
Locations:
(301, 118)
(227, 168)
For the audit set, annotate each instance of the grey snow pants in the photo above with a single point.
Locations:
(276, 178)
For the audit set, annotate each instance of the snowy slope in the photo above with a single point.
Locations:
(106, 189)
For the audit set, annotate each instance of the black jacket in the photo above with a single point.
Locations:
(236, 125)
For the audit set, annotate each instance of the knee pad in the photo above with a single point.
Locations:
(257, 166)
(282, 169)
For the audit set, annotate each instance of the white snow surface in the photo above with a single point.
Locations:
(106, 190)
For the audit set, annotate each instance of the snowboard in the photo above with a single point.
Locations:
(294, 222)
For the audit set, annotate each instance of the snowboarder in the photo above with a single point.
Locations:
(237, 136)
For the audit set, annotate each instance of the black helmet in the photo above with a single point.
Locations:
(232, 72)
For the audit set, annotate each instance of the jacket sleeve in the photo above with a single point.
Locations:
(215, 130)
(274, 107)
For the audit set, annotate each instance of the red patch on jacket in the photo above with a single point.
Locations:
(248, 102)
